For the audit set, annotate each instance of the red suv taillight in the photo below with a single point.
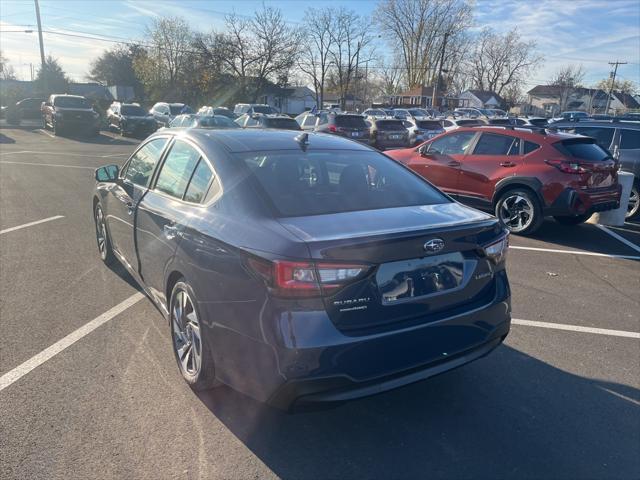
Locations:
(567, 167)
(332, 128)
(307, 279)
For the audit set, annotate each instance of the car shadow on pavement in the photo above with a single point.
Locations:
(102, 139)
(506, 416)
(5, 139)
(585, 237)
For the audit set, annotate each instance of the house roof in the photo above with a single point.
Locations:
(627, 100)
(549, 90)
(485, 95)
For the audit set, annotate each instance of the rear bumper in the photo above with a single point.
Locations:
(578, 202)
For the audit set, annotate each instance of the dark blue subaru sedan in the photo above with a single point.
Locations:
(301, 267)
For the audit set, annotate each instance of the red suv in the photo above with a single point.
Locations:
(520, 174)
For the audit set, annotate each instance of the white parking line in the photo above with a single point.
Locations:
(618, 237)
(575, 252)
(576, 328)
(21, 370)
(45, 164)
(65, 154)
(30, 224)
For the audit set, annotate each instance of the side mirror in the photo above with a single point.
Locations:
(423, 150)
(107, 173)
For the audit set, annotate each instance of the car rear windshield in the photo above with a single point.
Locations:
(350, 121)
(263, 109)
(468, 123)
(582, 148)
(71, 102)
(323, 182)
(284, 123)
(376, 112)
(390, 125)
(219, 121)
(427, 125)
(133, 110)
(418, 112)
(178, 109)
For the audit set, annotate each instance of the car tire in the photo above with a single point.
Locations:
(572, 219)
(191, 350)
(519, 211)
(102, 237)
(633, 210)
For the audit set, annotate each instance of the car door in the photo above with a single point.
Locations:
(125, 195)
(494, 157)
(439, 161)
(629, 150)
(165, 210)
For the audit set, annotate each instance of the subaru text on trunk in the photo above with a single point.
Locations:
(302, 268)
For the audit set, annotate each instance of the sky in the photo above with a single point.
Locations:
(587, 32)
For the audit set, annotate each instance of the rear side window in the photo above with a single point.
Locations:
(630, 139)
(177, 169)
(583, 149)
(603, 136)
(143, 162)
(530, 147)
(492, 144)
(454, 144)
(325, 182)
(390, 125)
(199, 183)
(350, 121)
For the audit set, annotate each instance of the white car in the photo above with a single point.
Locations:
(452, 123)
(422, 130)
(376, 113)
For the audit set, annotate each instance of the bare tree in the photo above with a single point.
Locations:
(390, 75)
(6, 71)
(501, 60)
(315, 54)
(416, 31)
(350, 48)
(567, 80)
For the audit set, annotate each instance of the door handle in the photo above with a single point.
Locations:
(171, 232)
(129, 207)
(507, 164)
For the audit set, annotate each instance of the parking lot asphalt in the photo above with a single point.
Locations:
(552, 402)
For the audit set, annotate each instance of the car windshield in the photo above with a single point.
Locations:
(133, 110)
(375, 112)
(178, 109)
(350, 121)
(324, 182)
(219, 121)
(282, 123)
(263, 109)
(71, 102)
(427, 125)
(223, 111)
(390, 125)
(418, 112)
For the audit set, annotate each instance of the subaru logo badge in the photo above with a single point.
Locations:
(434, 245)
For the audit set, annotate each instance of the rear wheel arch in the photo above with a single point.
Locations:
(173, 278)
(513, 183)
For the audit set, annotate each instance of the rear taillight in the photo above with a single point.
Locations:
(567, 167)
(496, 252)
(307, 279)
(332, 128)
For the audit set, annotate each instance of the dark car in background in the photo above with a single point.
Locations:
(521, 175)
(70, 114)
(193, 120)
(259, 120)
(388, 133)
(29, 108)
(130, 119)
(165, 112)
(302, 268)
(622, 139)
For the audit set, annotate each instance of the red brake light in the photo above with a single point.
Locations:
(332, 128)
(307, 279)
(567, 167)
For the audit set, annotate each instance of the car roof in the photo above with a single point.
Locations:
(633, 125)
(528, 133)
(251, 140)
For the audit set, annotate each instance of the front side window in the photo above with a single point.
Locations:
(177, 169)
(492, 144)
(454, 144)
(143, 162)
(325, 182)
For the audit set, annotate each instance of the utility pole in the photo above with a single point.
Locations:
(42, 60)
(613, 82)
(435, 87)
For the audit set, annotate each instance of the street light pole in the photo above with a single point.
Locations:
(42, 60)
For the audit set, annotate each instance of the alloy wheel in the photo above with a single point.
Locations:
(634, 202)
(101, 233)
(516, 212)
(187, 340)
